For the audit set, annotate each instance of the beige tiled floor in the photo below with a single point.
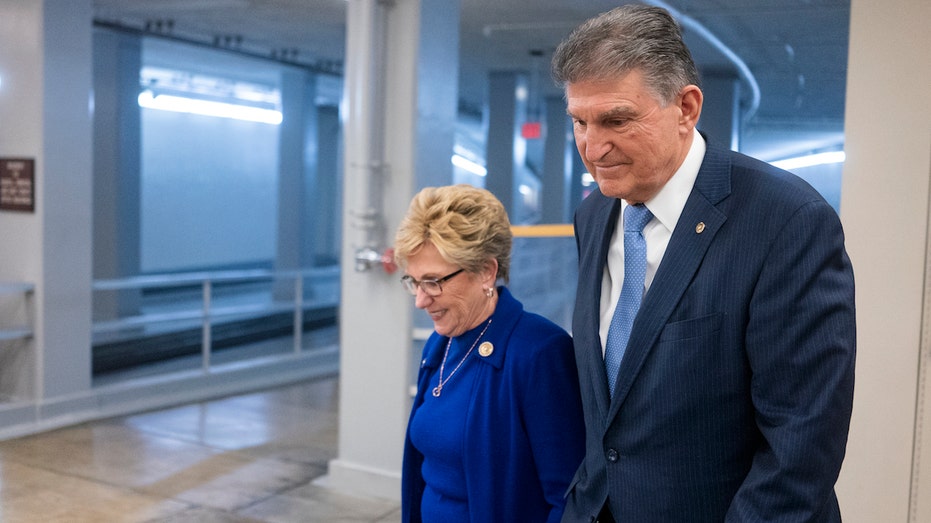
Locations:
(250, 458)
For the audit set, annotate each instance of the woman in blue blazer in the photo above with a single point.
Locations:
(496, 430)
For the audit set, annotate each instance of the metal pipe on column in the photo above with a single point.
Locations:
(364, 103)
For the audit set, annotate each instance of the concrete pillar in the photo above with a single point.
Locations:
(437, 92)
(720, 117)
(295, 133)
(45, 110)
(323, 192)
(117, 59)
(884, 207)
(386, 109)
(505, 148)
(556, 177)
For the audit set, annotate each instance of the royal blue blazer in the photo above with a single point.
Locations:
(524, 429)
(733, 399)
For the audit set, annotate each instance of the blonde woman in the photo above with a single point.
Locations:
(496, 430)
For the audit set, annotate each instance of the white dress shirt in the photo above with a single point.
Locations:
(666, 207)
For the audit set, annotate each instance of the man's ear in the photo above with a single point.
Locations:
(690, 103)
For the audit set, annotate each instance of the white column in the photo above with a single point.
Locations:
(884, 207)
(503, 145)
(117, 58)
(294, 135)
(556, 176)
(45, 114)
(384, 110)
(297, 137)
(720, 116)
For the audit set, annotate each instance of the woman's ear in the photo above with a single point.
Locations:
(490, 273)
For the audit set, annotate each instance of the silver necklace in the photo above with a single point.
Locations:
(439, 387)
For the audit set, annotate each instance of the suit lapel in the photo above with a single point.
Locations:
(600, 222)
(697, 226)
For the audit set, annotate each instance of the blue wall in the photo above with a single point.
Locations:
(208, 192)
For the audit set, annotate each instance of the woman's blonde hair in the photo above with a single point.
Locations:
(467, 225)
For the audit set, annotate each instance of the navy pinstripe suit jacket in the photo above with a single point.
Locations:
(733, 399)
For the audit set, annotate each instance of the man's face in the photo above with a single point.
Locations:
(629, 142)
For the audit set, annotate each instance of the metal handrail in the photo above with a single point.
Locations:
(196, 278)
(25, 289)
(208, 313)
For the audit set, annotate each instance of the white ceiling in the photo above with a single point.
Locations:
(796, 50)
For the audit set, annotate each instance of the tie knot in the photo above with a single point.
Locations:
(636, 217)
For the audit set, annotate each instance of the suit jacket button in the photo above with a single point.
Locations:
(612, 455)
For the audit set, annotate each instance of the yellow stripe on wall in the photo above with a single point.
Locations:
(552, 230)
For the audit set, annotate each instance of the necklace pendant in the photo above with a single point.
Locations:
(440, 382)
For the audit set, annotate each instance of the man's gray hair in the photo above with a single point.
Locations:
(628, 38)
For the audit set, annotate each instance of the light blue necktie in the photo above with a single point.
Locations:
(635, 268)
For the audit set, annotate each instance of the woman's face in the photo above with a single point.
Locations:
(463, 303)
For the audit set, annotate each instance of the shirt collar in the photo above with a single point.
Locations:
(668, 203)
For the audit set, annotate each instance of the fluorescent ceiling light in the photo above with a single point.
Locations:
(811, 160)
(468, 165)
(181, 104)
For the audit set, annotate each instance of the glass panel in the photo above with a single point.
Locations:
(543, 276)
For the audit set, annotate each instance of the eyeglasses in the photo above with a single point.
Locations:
(430, 287)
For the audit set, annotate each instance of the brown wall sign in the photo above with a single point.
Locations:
(17, 184)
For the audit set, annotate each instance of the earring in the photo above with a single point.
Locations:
(489, 292)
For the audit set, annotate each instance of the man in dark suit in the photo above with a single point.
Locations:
(731, 400)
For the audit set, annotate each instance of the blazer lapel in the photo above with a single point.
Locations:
(600, 221)
(698, 224)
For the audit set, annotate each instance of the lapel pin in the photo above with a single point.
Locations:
(700, 227)
(485, 349)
